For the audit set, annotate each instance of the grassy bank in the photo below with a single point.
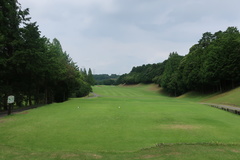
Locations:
(231, 97)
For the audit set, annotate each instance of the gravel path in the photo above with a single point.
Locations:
(228, 108)
(94, 95)
(4, 113)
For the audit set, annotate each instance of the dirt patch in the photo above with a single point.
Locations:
(154, 88)
(54, 155)
(180, 126)
(34, 154)
(235, 151)
(6, 120)
(220, 150)
(95, 156)
(173, 153)
(147, 156)
(68, 156)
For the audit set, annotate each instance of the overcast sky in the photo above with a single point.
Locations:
(112, 36)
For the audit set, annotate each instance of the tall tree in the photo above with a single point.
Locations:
(32, 68)
(11, 16)
(169, 79)
(90, 78)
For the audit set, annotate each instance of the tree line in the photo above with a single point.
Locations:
(32, 68)
(212, 65)
(105, 79)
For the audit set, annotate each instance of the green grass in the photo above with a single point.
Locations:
(134, 122)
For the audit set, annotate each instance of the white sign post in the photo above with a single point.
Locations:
(10, 101)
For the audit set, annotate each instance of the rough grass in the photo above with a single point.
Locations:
(134, 122)
(231, 97)
(196, 96)
(163, 152)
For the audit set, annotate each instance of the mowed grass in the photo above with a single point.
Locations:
(134, 122)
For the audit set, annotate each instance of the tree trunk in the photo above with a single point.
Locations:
(30, 100)
(36, 96)
(5, 106)
(220, 87)
(9, 109)
(233, 85)
(46, 96)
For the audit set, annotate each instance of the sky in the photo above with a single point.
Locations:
(112, 36)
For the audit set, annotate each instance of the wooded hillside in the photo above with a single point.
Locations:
(212, 65)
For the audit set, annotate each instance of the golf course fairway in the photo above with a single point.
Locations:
(121, 122)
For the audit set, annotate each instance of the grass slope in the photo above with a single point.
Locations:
(132, 122)
(231, 97)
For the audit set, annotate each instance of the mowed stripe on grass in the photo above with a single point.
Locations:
(122, 119)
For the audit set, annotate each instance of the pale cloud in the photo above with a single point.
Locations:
(112, 36)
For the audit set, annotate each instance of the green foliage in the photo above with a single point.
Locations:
(11, 17)
(170, 77)
(143, 74)
(33, 69)
(90, 78)
(212, 65)
(105, 79)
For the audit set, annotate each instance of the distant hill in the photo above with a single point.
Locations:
(105, 79)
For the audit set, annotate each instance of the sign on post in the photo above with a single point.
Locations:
(10, 99)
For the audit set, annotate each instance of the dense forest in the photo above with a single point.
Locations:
(105, 79)
(212, 65)
(32, 68)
